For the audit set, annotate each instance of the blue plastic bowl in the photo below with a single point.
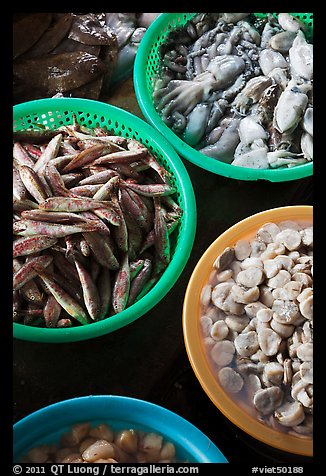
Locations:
(45, 426)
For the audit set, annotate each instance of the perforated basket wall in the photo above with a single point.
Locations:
(53, 113)
(146, 67)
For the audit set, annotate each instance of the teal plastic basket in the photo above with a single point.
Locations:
(46, 425)
(53, 113)
(146, 67)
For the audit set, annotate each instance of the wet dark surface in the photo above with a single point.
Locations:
(147, 359)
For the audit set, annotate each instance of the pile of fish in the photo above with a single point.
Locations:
(239, 88)
(73, 54)
(93, 215)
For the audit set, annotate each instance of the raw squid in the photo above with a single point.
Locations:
(239, 88)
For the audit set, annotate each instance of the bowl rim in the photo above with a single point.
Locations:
(195, 348)
(182, 251)
(189, 153)
(169, 423)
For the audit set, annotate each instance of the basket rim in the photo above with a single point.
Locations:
(182, 250)
(193, 339)
(187, 152)
(117, 408)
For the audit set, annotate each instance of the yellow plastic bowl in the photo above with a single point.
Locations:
(194, 342)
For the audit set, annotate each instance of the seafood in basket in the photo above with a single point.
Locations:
(257, 325)
(93, 215)
(86, 443)
(238, 87)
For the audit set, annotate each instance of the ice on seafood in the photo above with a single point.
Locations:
(238, 88)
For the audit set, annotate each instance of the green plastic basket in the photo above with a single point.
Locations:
(53, 113)
(146, 66)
